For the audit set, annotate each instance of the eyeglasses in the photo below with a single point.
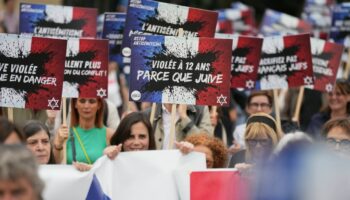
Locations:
(90, 101)
(343, 144)
(262, 142)
(262, 105)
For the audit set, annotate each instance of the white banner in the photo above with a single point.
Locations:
(155, 175)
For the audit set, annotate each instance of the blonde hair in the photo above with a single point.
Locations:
(256, 129)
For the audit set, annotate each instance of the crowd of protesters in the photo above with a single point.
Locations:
(110, 126)
(254, 144)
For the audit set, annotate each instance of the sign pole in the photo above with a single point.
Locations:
(298, 105)
(172, 127)
(153, 112)
(10, 114)
(347, 67)
(64, 120)
(277, 110)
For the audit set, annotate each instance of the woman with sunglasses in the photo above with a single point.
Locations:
(337, 135)
(90, 136)
(261, 137)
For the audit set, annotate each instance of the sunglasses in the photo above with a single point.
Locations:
(90, 101)
(262, 142)
(343, 144)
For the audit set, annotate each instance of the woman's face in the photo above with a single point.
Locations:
(39, 144)
(208, 154)
(139, 138)
(87, 107)
(338, 140)
(260, 147)
(337, 100)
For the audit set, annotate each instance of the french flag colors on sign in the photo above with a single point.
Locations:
(58, 21)
(168, 69)
(31, 71)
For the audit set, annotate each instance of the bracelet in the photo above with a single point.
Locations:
(57, 148)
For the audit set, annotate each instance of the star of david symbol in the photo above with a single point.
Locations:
(329, 87)
(221, 100)
(307, 80)
(101, 92)
(249, 84)
(52, 103)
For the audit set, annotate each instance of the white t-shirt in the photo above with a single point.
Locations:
(238, 135)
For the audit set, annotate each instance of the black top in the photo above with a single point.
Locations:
(238, 157)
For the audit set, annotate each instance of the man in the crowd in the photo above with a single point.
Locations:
(260, 101)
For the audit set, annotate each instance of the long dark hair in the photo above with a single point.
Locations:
(31, 128)
(124, 129)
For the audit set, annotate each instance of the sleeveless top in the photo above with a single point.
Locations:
(94, 141)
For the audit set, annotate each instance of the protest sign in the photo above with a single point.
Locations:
(242, 20)
(181, 70)
(340, 29)
(224, 26)
(86, 68)
(277, 23)
(57, 21)
(326, 58)
(31, 71)
(113, 28)
(319, 15)
(245, 60)
(157, 175)
(240, 5)
(158, 18)
(340, 32)
(285, 62)
(224, 184)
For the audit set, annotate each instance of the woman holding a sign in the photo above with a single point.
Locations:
(87, 136)
(338, 107)
(133, 134)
